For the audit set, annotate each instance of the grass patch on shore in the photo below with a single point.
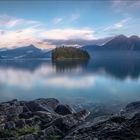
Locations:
(21, 131)
(55, 137)
(28, 130)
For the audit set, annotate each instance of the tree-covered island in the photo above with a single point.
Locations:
(64, 53)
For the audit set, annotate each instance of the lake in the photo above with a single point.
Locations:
(105, 83)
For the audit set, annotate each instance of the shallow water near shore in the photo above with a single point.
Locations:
(108, 81)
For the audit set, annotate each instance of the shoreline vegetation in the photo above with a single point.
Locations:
(69, 53)
(48, 119)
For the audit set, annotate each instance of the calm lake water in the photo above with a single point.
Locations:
(108, 79)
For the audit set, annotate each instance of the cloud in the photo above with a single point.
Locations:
(118, 2)
(28, 32)
(117, 25)
(9, 21)
(123, 5)
(16, 38)
(72, 82)
(24, 37)
(74, 17)
(45, 74)
(69, 33)
(57, 20)
(31, 35)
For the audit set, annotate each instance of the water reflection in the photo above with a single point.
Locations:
(70, 65)
(30, 65)
(102, 79)
(118, 68)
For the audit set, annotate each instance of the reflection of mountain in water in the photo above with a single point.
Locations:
(120, 68)
(118, 65)
(69, 65)
(30, 65)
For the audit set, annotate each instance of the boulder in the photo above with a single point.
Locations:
(64, 109)
(41, 119)
(134, 106)
(10, 125)
(53, 131)
(11, 108)
(131, 109)
(66, 123)
(47, 119)
(118, 119)
(42, 105)
(26, 115)
(20, 123)
(116, 127)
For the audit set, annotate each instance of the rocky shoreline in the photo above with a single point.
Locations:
(48, 119)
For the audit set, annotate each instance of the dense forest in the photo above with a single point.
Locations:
(69, 53)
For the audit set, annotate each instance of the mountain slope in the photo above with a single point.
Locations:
(118, 43)
(135, 42)
(91, 48)
(123, 43)
(23, 53)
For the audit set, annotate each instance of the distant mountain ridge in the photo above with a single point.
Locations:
(119, 43)
(122, 42)
(26, 52)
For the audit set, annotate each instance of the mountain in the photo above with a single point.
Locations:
(136, 42)
(26, 52)
(122, 42)
(118, 43)
(90, 48)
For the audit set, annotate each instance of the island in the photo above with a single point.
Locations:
(65, 53)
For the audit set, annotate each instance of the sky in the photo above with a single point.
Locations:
(30, 21)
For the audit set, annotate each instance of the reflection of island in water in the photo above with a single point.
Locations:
(69, 65)
(118, 67)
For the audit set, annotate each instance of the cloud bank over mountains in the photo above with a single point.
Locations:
(23, 23)
(31, 32)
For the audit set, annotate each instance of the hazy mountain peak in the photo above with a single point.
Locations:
(134, 37)
(121, 36)
(31, 46)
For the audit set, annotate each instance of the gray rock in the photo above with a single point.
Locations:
(134, 106)
(46, 119)
(42, 105)
(10, 125)
(26, 115)
(63, 110)
(116, 127)
(53, 132)
(20, 123)
(131, 109)
(66, 123)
